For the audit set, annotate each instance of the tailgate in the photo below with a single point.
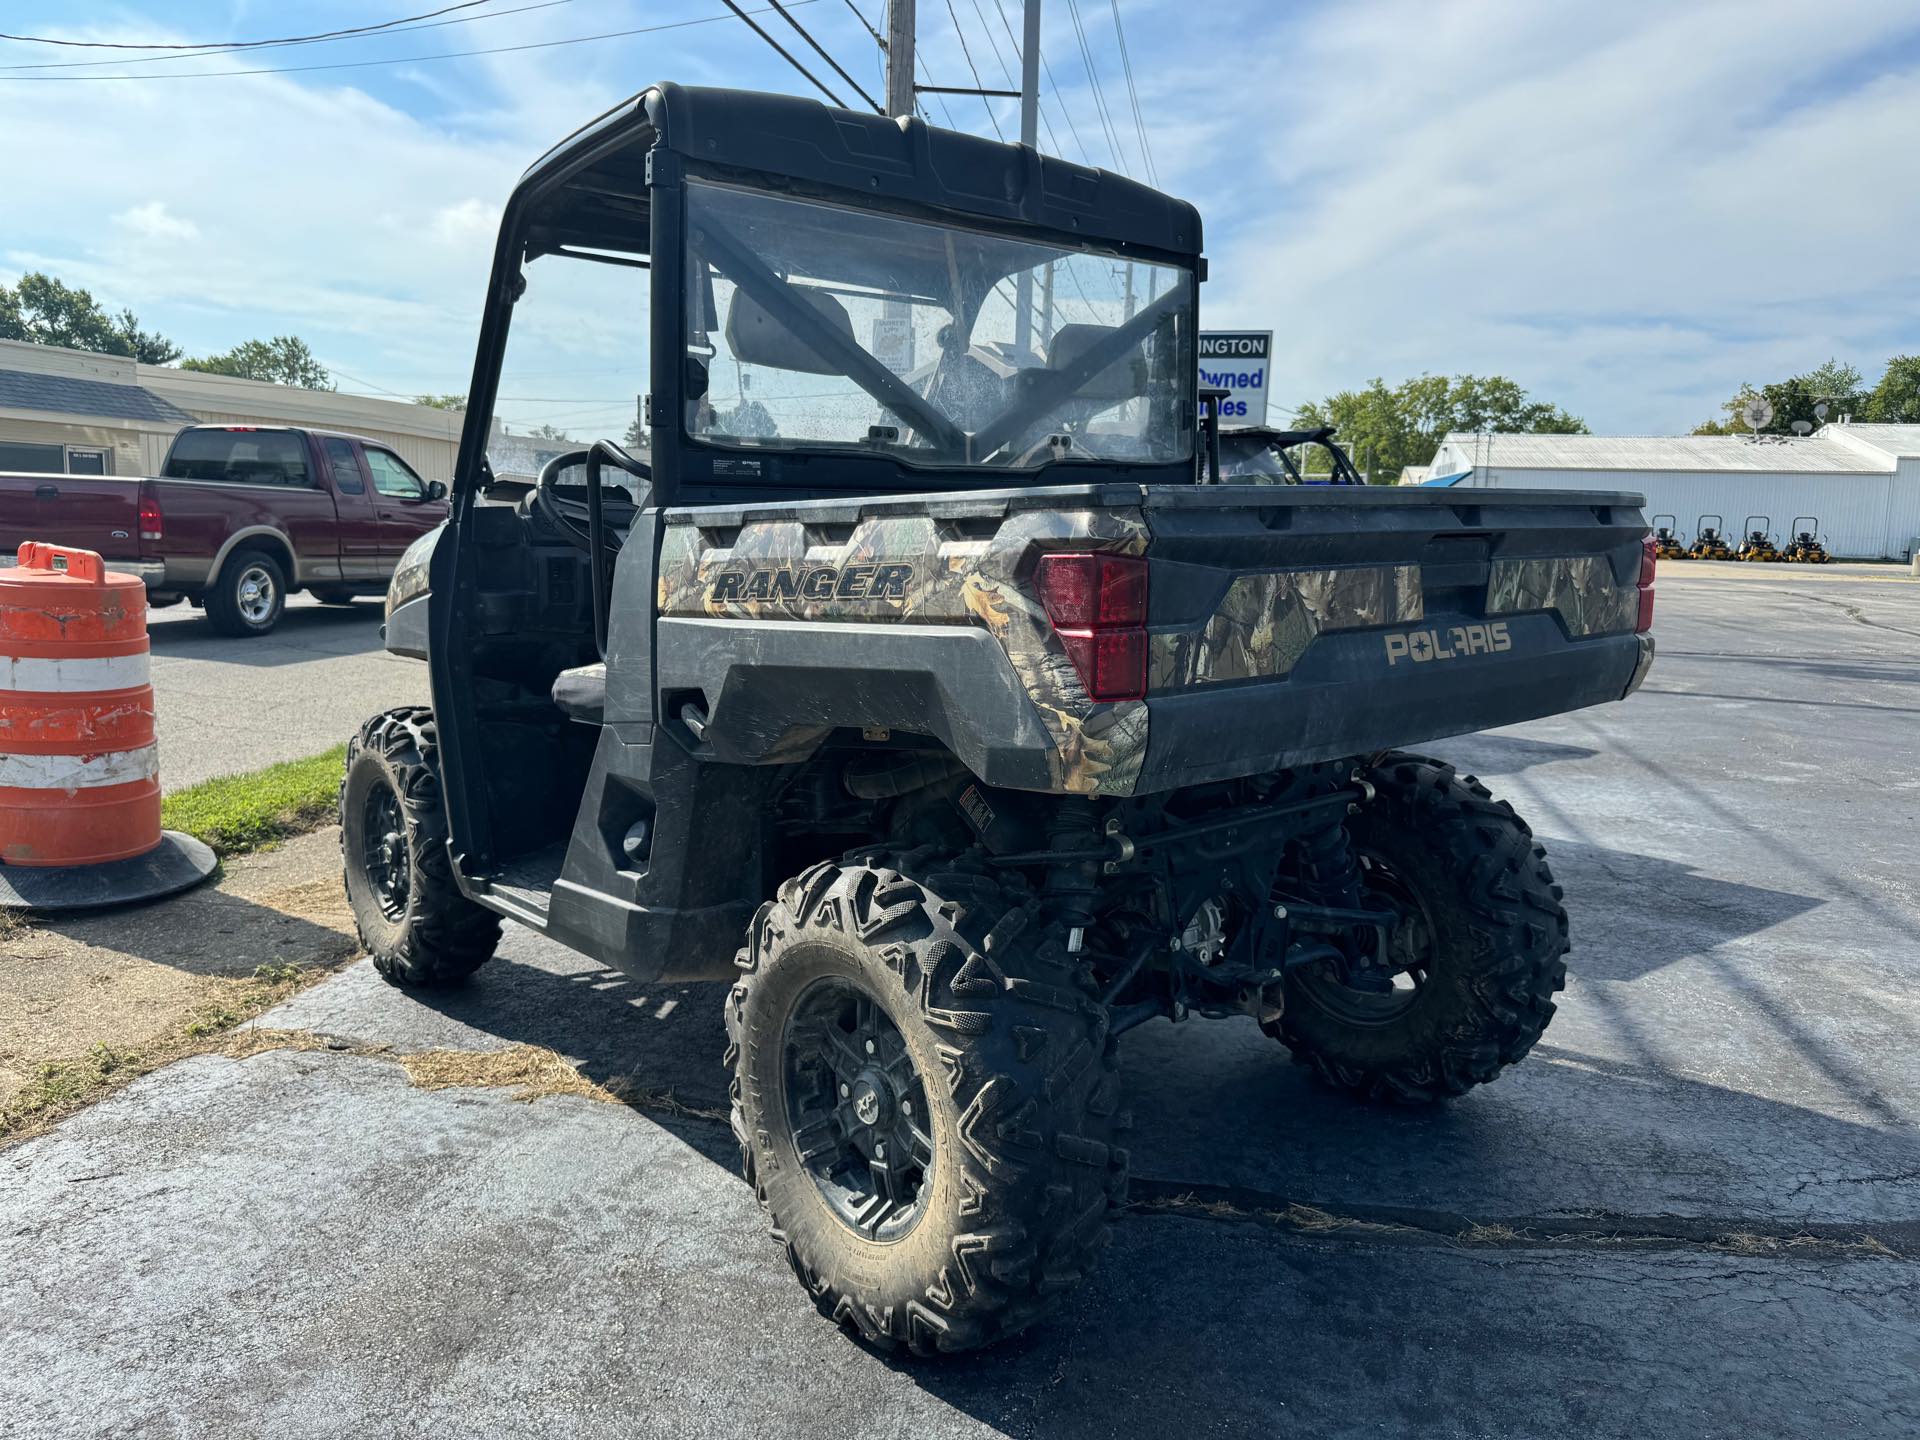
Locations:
(87, 512)
(1290, 624)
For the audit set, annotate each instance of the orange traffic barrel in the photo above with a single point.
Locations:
(79, 770)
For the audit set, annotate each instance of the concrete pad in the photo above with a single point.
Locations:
(302, 1243)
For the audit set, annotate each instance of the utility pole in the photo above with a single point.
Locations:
(896, 319)
(1029, 137)
(900, 57)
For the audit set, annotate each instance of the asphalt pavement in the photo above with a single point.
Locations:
(226, 706)
(1693, 1211)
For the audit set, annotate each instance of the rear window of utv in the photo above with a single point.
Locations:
(239, 457)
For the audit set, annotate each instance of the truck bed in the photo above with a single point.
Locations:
(1305, 623)
(1285, 624)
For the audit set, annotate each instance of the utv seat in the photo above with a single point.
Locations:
(582, 693)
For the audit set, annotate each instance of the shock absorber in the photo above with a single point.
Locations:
(1328, 866)
(1330, 870)
(1074, 829)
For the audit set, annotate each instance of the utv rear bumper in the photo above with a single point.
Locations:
(1340, 700)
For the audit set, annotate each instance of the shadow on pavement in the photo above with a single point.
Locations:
(207, 931)
(1238, 1328)
(1217, 1103)
(1657, 911)
(1495, 754)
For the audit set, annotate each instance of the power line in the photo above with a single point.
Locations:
(1093, 79)
(784, 55)
(1133, 95)
(868, 24)
(961, 36)
(242, 44)
(279, 44)
(1000, 60)
(878, 109)
(1072, 128)
(404, 59)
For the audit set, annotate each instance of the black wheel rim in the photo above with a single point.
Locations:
(857, 1110)
(383, 851)
(1377, 994)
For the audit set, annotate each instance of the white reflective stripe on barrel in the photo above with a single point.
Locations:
(79, 772)
(103, 672)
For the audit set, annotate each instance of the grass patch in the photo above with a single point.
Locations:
(63, 1086)
(238, 813)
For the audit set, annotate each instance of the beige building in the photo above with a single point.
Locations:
(74, 412)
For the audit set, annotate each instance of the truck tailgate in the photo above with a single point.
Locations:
(1290, 624)
(90, 512)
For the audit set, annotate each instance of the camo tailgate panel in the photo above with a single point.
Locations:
(1580, 589)
(1266, 622)
(925, 571)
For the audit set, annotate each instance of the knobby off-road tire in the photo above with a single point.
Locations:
(1499, 942)
(248, 596)
(418, 927)
(1020, 1083)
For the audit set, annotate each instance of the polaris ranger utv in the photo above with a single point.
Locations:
(926, 683)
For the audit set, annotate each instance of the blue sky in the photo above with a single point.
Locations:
(1629, 208)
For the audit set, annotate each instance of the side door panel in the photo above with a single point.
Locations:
(360, 543)
(400, 498)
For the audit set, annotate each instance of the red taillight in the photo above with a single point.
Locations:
(1649, 554)
(1098, 607)
(152, 523)
(1083, 591)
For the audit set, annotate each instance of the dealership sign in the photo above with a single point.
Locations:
(1239, 362)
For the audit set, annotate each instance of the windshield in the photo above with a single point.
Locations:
(813, 325)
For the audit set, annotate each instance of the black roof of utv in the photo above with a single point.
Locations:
(904, 163)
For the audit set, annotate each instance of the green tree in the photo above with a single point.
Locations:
(636, 437)
(441, 402)
(1835, 384)
(284, 360)
(1387, 428)
(1896, 399)
(43, 311)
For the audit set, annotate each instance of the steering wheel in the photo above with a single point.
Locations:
(561, 512)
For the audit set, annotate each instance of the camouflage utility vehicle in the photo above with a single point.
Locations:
(927, 683)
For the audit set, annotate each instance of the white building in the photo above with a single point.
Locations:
(75, 412)
(1861, 482)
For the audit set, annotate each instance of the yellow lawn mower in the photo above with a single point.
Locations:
(1758, 546)
(1667, 542)
(1707, 541)
(1806, 547)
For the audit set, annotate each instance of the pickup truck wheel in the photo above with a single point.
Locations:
(926, 1101)
(249, 594)
(1478, 953)
(418, 927)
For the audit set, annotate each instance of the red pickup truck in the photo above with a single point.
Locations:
(240, 517)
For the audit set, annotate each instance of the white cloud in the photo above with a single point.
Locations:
(467, 221)
(1630, 209)
(153, 221)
